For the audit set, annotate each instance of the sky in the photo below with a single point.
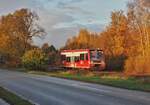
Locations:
(62, 19)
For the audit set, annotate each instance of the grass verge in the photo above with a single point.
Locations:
(11, 98)
(114, 80)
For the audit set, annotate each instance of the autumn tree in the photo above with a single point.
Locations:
(48, 48)
(16, 32)
(27, 27)
(139, 37)
(112, 40)
(84, 39)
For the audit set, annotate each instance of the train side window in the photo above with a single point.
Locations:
(77, 59)
(86, 56)
(68, 59)
(81, 56)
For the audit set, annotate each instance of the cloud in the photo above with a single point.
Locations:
(62, 22)
(72, 7)
(62, 19)
(7, 6)
(59, 36)
(68, 2)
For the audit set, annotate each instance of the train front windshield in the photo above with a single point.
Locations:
(96, 55)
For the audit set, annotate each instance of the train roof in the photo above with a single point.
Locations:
(79, 50)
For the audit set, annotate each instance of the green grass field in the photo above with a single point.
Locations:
(11, 98)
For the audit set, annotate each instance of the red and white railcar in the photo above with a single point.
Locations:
(83, 58)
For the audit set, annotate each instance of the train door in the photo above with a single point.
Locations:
(84, 59)
(72, 61)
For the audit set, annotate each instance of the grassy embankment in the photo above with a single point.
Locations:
(111, 79)
(11, 98)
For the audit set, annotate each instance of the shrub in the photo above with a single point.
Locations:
(115, 63)
(35, 60)
(138, 65)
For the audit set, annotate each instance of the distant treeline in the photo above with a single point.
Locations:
(125, 41)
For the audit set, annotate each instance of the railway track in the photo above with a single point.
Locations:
(58, 68)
